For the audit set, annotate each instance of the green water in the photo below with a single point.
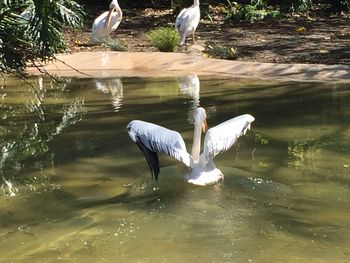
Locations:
(75, 188)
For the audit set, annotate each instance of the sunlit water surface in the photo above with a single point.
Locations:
(75, 188)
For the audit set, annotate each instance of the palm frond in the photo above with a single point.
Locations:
(37, 35)
(71, 13)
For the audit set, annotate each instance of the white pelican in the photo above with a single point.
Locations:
(152, 138)
(187, 21)
(107, 22)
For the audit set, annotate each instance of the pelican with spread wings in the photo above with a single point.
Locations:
(153, 139)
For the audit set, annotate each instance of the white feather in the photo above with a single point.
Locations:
(221, 137)
(179, 19)
(159, 139)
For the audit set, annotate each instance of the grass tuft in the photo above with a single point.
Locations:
(166, 39)
(114, 44)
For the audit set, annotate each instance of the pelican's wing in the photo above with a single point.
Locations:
(98, 29)
(190, 19)
(221, 137)
(179, 19)
(99, 21)
(152, 138)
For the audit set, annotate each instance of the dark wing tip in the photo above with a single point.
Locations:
(151, 157)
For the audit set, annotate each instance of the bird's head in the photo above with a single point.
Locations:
(200, 118)
(113, 5)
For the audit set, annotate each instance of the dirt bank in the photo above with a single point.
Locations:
(109, 63)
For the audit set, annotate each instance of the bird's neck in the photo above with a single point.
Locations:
(119, 11)
(108, 19)
(196, 2)
(196, 145)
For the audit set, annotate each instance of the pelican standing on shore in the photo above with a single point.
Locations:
(107, 22)
(152, 138)
(187, 21)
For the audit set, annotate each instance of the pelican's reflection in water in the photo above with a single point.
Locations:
(113, 86)
(190, 86)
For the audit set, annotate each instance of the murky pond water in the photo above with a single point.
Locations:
(75, 188)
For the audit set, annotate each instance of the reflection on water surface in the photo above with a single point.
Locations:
(74, 187)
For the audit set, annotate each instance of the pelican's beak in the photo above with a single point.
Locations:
(108, 18)
(205, 126)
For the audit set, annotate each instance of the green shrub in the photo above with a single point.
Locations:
(114, 44)
(166, 39)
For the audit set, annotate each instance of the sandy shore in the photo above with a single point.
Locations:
(109, 64)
